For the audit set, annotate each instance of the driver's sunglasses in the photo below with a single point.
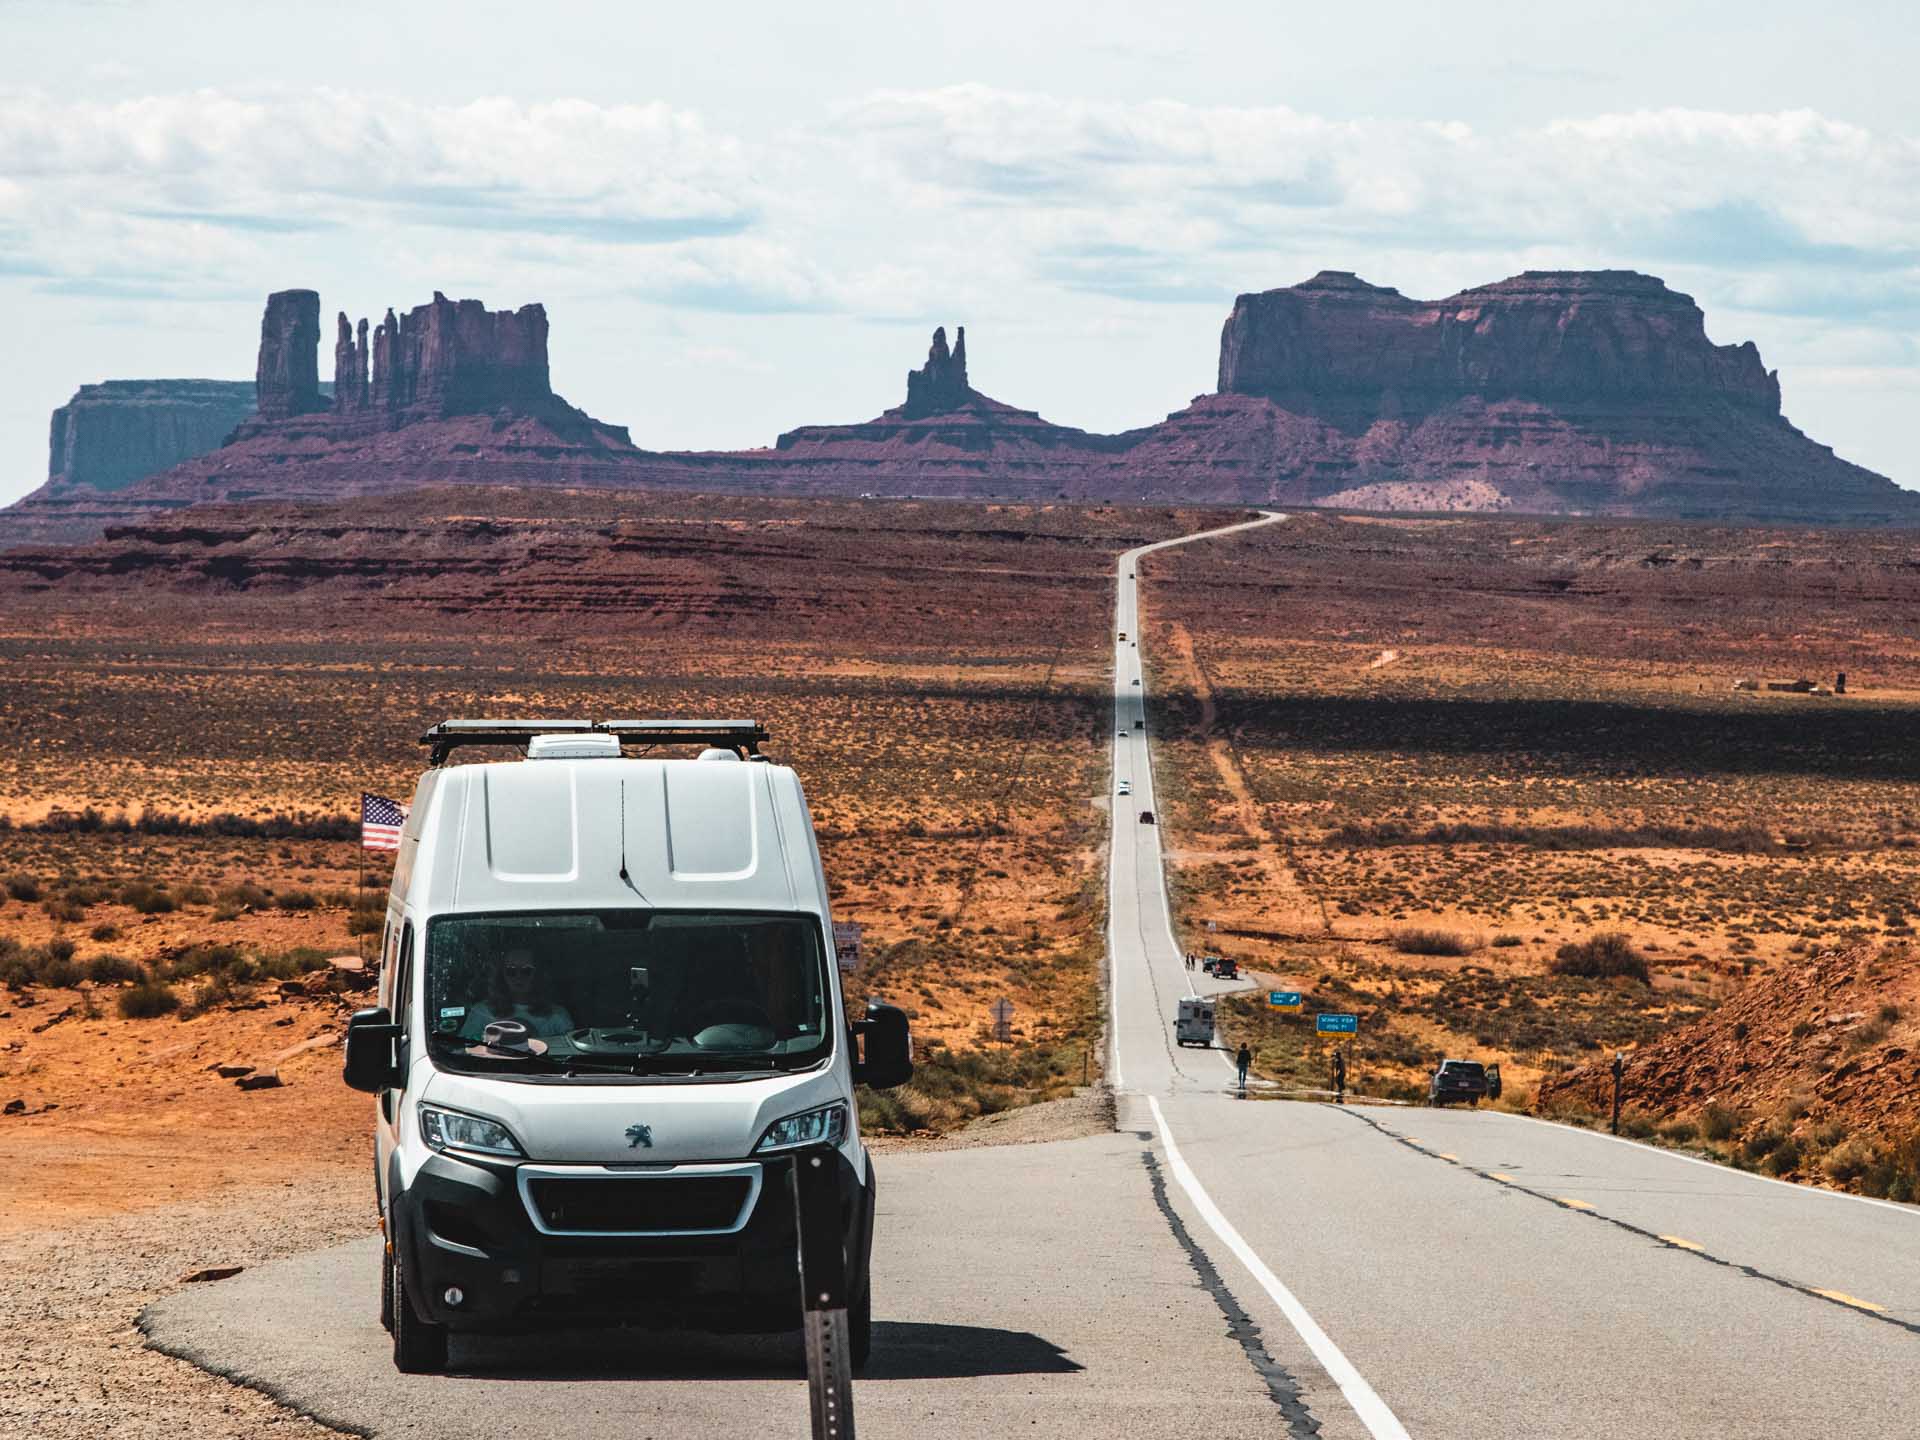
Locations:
(525, 971)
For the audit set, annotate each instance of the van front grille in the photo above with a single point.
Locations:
(640, 1204)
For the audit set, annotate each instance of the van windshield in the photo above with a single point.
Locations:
(646, 990)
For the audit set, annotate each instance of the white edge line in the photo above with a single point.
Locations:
(1912, 1212)
(1381, 1422)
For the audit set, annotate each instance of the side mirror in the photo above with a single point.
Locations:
(372, 1062)
(886, 1058)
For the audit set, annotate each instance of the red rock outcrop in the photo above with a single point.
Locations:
(287, 380)
(110, 435)
(942, 384)
(1581, 335)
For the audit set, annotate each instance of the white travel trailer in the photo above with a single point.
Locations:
(608, 1015)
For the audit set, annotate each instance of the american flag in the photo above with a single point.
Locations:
(380, 821)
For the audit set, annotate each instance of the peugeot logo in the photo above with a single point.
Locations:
(639, 1136)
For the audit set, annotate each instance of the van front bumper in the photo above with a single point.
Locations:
(463, 1225)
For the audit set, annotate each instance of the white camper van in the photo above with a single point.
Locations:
(608, 1014)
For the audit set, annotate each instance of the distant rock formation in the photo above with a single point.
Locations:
(1582, 335)
(444, 358)
(110, 435)
(942, 385)
(287, 379)
(1553, 392)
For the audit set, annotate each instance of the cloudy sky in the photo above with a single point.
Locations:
(747, 217)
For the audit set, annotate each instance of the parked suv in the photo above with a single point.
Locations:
(1457, 1080)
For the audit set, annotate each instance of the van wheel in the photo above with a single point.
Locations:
(860, 1326)
(418, 1348)
(386, 1289)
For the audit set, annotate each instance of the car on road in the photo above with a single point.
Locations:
(609, 1024)
(1146, 817)
(1136, 680)
(1457, 1080)
(1126, 787)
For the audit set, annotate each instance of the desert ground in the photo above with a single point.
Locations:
(1413, 768)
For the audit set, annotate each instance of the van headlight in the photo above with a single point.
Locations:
(825, 1126)
(448, 1130)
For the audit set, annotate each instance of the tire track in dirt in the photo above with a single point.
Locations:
(1279, 868)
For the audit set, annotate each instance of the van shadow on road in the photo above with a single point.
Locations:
(902, 1350)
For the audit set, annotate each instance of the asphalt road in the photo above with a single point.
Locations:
(1218, 1267)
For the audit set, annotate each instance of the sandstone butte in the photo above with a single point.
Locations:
(1554, 392)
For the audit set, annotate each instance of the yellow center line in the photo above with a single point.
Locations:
(1854, 1301)
(1572, 1204)
(1679, 1244)
(1502, 1177)
(1445, 1156)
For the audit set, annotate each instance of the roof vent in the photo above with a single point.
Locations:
(573, 747)
(716, 754)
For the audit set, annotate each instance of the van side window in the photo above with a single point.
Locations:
(385, 962)
(403, 986)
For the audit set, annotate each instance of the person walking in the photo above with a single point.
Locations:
(1339, 1077)
(1243, 1062)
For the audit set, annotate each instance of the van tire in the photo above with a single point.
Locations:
(418, 1347)
(860, 1328)
(386, 1288)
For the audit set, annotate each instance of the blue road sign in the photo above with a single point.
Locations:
(1336, 1024)
(1288, 1000)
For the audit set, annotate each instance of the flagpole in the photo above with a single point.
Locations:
(360, 885)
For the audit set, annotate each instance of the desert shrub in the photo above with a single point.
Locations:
(1717, 1122)
(16, 971)
(59, 948)
(1783, 1157)
(50, 967)
(111, 969)
(1849, 1161)
(225, 913)
(1889, 1013)
(296, 900)
(199, 959)
(1601, 957)
(1679, 1132)
(63, 909)
(194, 895)
(148, 999)
(147, 898)
(24, 887)
(366, 921)
(245, 895)
(1431, 942)
(1506, 942)
(1762, 1142)
(105, 930)
(1636, 1126)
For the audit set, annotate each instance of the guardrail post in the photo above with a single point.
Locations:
(815, 1182)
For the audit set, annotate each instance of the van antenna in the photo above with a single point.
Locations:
(623, 833)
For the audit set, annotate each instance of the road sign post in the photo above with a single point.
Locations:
(1002, 1013)
(815, 1182)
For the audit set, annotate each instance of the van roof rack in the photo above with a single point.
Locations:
(743, 737)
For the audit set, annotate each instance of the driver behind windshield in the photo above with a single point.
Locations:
(517, 990)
